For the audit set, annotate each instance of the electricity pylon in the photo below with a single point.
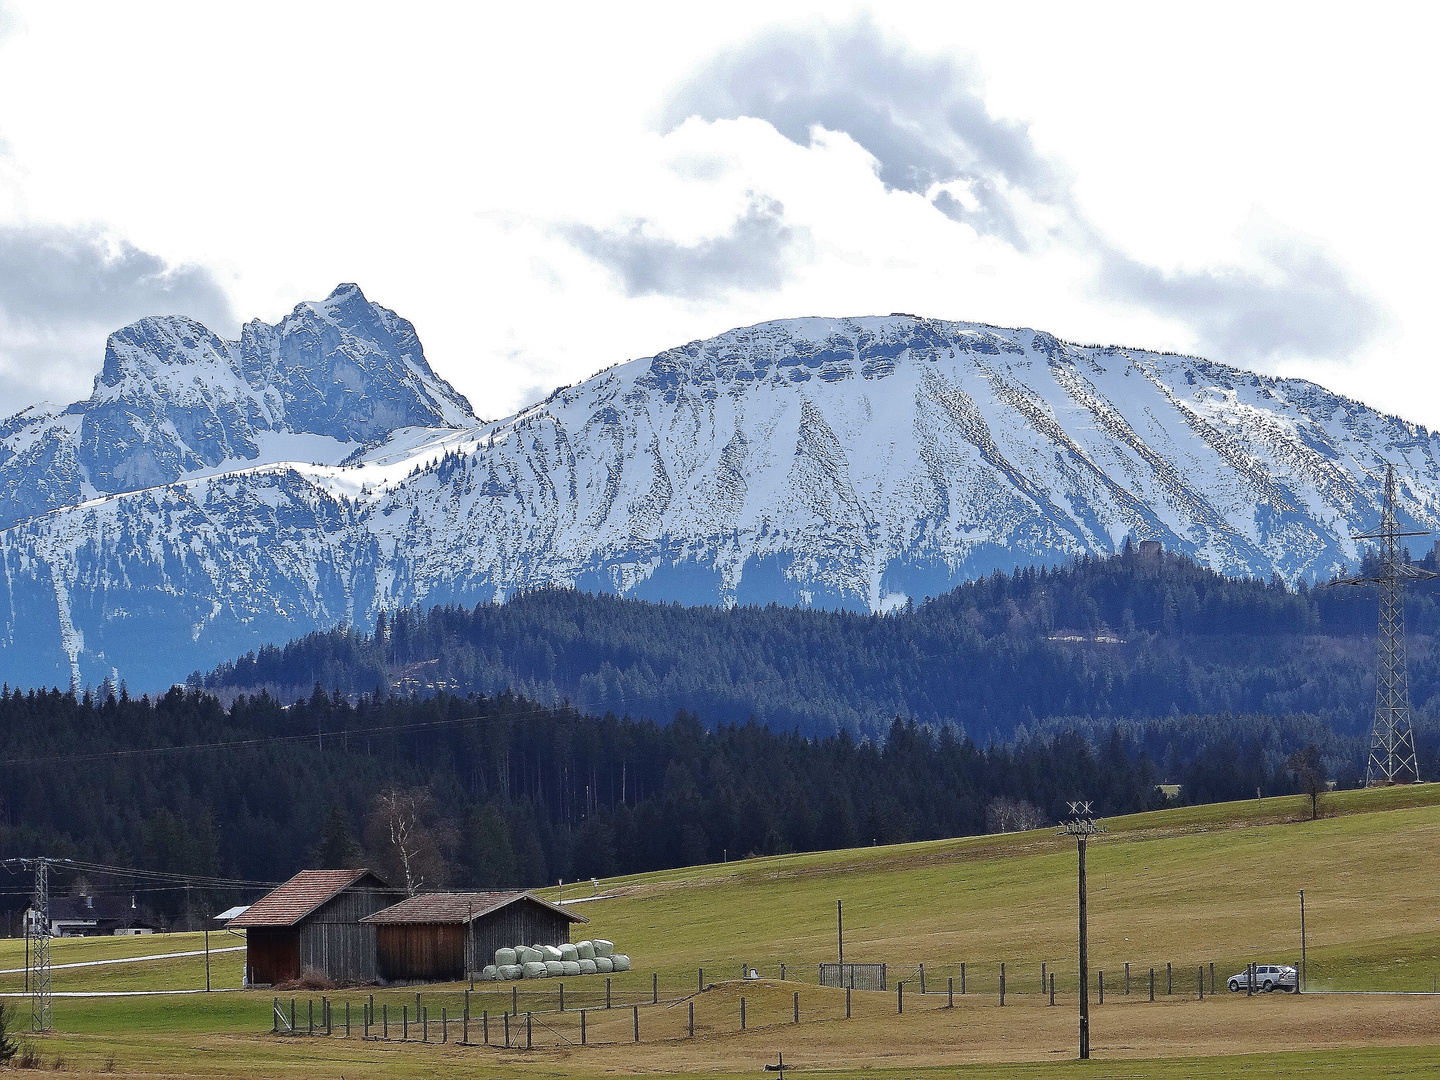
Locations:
(1392, 746)
(41, 1017)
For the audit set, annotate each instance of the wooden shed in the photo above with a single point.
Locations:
(314, 922)
(444, 937)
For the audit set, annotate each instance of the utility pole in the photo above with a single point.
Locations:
(41, 1016)
(1303, 964)
(1392, 746)
(1082, 825)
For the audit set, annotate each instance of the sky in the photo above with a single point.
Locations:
(546, 190)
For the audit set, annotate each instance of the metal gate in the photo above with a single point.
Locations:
(853, 976)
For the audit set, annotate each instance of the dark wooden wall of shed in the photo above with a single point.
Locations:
(421, 952)
(335, 944)
(522, 923)
(272, 955)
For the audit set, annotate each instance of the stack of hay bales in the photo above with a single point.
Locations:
(551, 961)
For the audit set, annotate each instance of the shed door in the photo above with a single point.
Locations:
(273, 955)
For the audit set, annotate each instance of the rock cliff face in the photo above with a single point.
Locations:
(851, 462)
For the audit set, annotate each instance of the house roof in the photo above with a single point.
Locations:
(459, 907)
(300, 896)
(94, 909)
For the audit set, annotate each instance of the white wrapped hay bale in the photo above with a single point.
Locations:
(587, 967)
(586, 949)
(603, 964)
(535, 970)
(505, 957)
(621, 962)
(554, 968)
(603, 947)
(490, 974)
(509, 972)
(569, 952)
(572, 967)
(552, 953)
(529, 954)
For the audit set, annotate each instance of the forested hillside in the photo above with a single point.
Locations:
(1118, 638)
(500, 792)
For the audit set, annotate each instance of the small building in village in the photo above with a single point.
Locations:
(444, 937)
(315, 923)
(90, 916)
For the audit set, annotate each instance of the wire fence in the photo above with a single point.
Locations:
(643, 1007)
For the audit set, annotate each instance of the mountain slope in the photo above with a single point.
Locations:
(851, 463)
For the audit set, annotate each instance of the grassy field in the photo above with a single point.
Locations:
(1187, 887)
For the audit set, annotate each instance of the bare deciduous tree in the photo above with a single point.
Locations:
(409, 838)
(1005, 814)
(1309, 772)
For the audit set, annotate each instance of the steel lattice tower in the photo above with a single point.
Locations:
(41, 1018)
(1392, 747)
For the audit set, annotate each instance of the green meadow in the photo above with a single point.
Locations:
(1188, 887)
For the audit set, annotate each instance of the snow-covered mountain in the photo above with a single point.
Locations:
(174, 400)
(838, 462)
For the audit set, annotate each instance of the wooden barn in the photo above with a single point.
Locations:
(314, 922)
(443, 937)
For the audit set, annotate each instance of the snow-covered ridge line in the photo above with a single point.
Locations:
(838, 462)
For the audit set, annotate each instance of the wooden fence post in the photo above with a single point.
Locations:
(950, 992)
(692, 1019)
(1052, 988)
(562, 997)
(1127, 978)
(507, 1031)
(1201, 980)
(1042, 976)
(1002, 984)
(444, 1025)
(797, 1006)
(655, 988)
(922, 978)
(1152, 984)
(607, 993)
(742, 1014)
(385, 1014)
(485, 1026)
(528, 1042)
(1169, 980)
(347, 1019)
(310, 1008)
(405, 1031)
(847, 1003)
(636, 1015)
(582, 1027)
(899, 998)
(962, 976)
(1101, 975)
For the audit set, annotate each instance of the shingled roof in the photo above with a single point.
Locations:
(298, 897)
(459, 907)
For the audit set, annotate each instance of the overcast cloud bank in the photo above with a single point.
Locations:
(925, 122)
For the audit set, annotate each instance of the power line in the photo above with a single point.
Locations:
(269, 740)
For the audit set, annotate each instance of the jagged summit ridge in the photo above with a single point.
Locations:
(173, 398)
(840, 462)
